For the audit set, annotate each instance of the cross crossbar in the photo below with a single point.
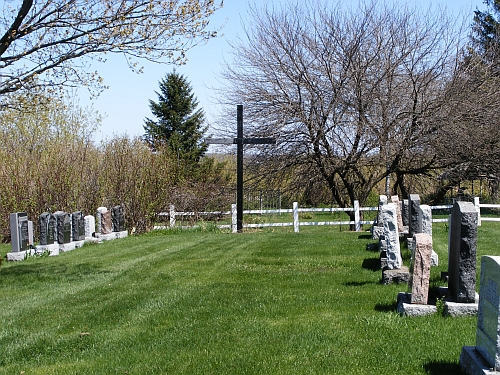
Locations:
(246, 141)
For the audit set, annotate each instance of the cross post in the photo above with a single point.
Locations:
(240, 141)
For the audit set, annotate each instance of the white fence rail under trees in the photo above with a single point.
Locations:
(296, 223)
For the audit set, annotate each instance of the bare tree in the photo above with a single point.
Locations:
(350, 94)
(43, 41)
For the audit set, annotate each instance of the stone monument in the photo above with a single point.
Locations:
(462, 253)
(484, 358)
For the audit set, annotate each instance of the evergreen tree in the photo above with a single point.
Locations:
(179, 125)
(486, 32)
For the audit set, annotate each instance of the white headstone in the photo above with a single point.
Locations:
(89, 226)
(391, 236)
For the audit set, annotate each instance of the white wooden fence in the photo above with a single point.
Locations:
(172, 214)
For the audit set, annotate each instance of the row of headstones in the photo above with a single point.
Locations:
(406, 217)
(62, 231)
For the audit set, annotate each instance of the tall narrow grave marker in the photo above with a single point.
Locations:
(462, 253)
(19, 235)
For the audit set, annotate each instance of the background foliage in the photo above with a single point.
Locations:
(50, 163)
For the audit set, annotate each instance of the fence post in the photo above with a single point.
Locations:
(172, 216)
(295, 217)
(234, 218)
(356, 216)
(478, 209)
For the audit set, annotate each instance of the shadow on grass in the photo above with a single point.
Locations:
(386, 307)
(357, 283)
(365, 237)
(372, 247)
(34, 268)
(443, 368)
(372, 264)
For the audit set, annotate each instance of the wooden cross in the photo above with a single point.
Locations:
(240, 141)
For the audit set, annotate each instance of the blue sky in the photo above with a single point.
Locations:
(125, 104)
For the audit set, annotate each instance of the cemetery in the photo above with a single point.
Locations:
(273, 299)
(376, 123)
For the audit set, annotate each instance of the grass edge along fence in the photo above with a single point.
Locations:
(296, 223)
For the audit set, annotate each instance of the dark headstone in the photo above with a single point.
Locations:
(19, 233)
(405, 212)
(47, 225)
(118, 219)
(414, 214)
(462, 253)
(78, 226)
(63, 227)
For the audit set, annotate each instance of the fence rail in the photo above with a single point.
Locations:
(172, 215)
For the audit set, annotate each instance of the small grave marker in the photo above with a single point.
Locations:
(19, 232)
(89, 226)
(117, 219)
(63, 227)
(78, 226)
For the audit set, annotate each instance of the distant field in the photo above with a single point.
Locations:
(200, 302)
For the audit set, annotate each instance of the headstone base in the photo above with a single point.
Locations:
(121, 234)
(451, 309)
(92, 240)
(472, 363)
(455, 309)
(400, 275)
(79, 244)
(106, 237)
(53, 249)
(16, 256)
(65, 247)
(112, 236)
(409, 309)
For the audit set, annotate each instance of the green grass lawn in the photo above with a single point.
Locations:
(194, 302)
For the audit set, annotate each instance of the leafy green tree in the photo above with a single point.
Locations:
(179, 124)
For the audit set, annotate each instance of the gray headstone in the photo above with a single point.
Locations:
(19, 232)
(30, 233)
(462, 253)
(391, 236)
(405, 211)
(425, 220)
(395, 200)
(413, 225)
(488, 322)
(382, 201)
(421, 268)
(63, 227)
(78, 226)
(118, 219)
(47, 225)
